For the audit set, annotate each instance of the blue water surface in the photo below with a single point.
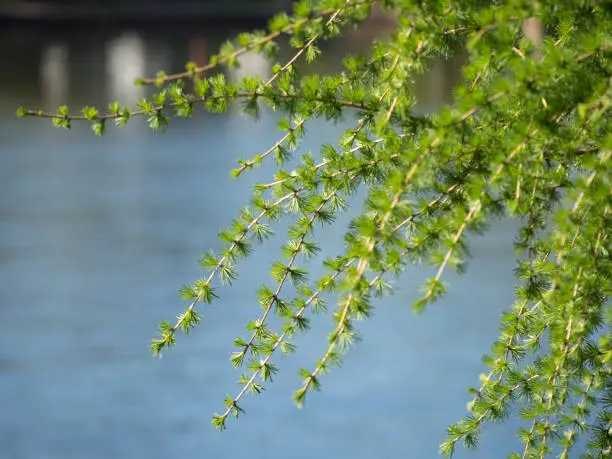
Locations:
(97, 235)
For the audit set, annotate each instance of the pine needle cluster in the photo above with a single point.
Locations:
(528, 136)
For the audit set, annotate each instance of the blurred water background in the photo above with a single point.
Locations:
(97, 234)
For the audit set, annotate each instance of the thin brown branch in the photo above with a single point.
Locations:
(257, 43)
(171, 105)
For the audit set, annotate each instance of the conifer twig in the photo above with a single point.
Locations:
(242, 50)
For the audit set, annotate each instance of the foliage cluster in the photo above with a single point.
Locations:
(527, 137)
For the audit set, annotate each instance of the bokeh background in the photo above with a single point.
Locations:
(97, 235)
